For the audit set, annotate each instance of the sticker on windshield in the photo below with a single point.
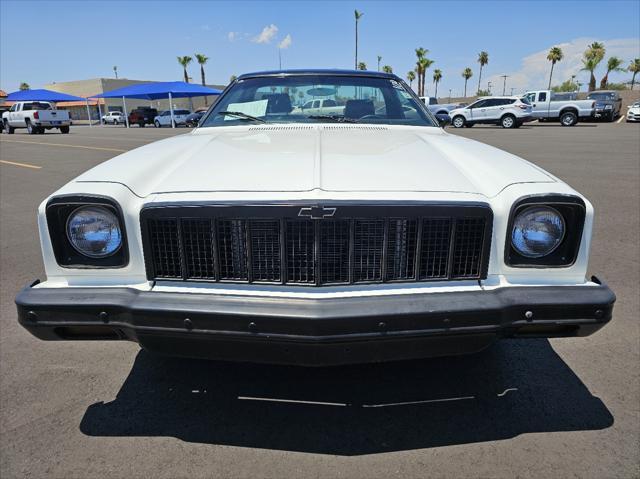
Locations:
(256, 108)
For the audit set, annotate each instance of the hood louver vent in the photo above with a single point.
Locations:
(355, 127)
(281, 128)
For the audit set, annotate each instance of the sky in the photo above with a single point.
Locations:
(85, 39)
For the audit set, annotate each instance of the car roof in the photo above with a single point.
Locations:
(361, 73)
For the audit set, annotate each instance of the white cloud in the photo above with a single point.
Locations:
(232, 36)
(285, 43)
(534, 71)
(266, 35)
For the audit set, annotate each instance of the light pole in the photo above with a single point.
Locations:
(512, 90)
(450, 89)
(489, 87)
(504, 83)
(279, 58)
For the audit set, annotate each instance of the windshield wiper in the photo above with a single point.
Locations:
(339, 119)
(239, 114)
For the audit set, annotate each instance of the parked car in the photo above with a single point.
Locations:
(326, 106)
(114, 118)
(547, 107)
(275, 236)
(633, 112)
(608, 104)
(507, 111)
(193, 119)
(142, 116)
(441, 111)
(164, 118)
(36, 117)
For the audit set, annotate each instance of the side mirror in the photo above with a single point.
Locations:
(444, 120)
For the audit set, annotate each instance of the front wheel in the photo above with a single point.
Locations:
(157, 124)
(458, 121)
(8, 128)
(141, 124)
(568, 118)
(64, 129)
(508, 121)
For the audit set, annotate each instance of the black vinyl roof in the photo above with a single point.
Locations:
(312, 71)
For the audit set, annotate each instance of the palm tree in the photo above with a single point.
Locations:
(411, 75)
(483, 59)
(634, 67)
(184, 61)
(357, 15)
(387, 69)
(424, 64)
(555, 55)
(593, 55)
(466, 74)
(420, 54)
(202, 59)
(437, 76)
(232, 78)
(24, 86)
(115, 70)
(379, 60)
(362, 66)
(614, 64)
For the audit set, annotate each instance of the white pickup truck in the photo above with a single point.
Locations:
(546, 106)
(36, 117)
(320, 107)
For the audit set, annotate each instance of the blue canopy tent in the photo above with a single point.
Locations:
(159, 91)
(41, 95)
(46, 95)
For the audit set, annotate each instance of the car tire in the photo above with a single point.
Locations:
(469, 125)
(41, 130)
(8, 128)
(568, 118)
(508, 121)
(157, 124)
(64, 129)
(32, 130)
(458, 121)
(141, 124)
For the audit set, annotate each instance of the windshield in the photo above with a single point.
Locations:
(601, 96)
(318, 98)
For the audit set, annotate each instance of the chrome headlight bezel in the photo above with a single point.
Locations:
(58, 212)
(572, 211)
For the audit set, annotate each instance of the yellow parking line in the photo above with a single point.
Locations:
(64, 145)
(24, 165)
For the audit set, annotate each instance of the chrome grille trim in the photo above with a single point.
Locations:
(361, 244)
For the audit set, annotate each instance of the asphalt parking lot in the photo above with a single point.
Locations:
(525, 408)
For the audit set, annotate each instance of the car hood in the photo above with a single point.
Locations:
(317, 157)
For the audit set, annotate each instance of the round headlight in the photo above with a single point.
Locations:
(94, 231)
(537, 231)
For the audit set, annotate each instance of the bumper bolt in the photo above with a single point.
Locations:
(382, 325)
(32, 316)
(252, 326)
(188, 324)
(528, 315)
(599, 313)
(104, 317)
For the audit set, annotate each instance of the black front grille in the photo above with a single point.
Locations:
(356, 245)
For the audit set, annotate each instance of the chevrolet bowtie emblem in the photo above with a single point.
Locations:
(317, 212)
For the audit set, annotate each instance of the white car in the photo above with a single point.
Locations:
(269, 236)
(36, 117)
(507, 111)
(164, 118)
(114, 118)
(633, 112)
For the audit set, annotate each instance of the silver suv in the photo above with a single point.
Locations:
(507, 111)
